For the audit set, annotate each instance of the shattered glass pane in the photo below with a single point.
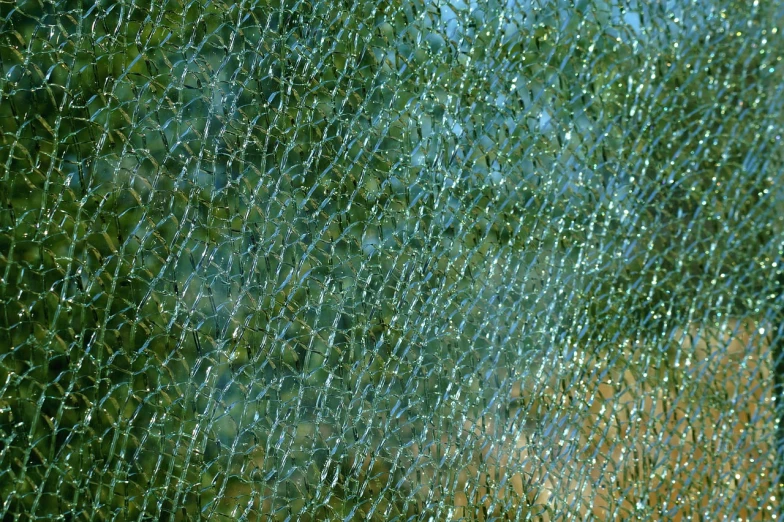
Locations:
(391, 260)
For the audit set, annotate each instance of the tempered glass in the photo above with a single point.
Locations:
(390, 260)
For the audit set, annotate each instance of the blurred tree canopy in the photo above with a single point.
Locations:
(246, 246)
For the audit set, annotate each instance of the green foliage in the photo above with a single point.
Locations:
(248, 247)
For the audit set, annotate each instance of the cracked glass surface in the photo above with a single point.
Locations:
(386, 260)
